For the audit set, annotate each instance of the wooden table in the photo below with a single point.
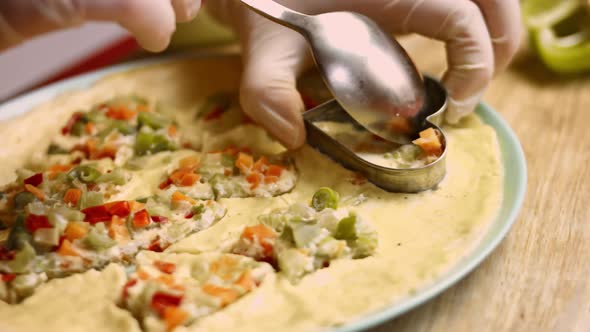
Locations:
(538, 279)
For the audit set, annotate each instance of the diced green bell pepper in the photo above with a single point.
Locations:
(325, 198)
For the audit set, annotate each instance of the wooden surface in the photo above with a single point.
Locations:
(539, 277)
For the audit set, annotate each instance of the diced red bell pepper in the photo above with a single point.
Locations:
(6, 255)
(141, 219)
(34, 180)
(160, 301)
(159, 219)
(155, 246)
(8, 277)
(35, 222)
(96, 214)
(120, 209)
(128, 285)
(165, 184)
(165, 266)
(67, 129)
(214, 114)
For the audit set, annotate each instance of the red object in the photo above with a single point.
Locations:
(6, 255)
(8, 277)
(141, 219)
(128, 285)
(34, 180)
(165, 184)
(215, 114)
(96, 214)
(159, 219)
(161, 301)
(35, 222)
(165, 267)
(274, 170)
(155, 246)
(309, 102)
(120, 209)
(67, 129)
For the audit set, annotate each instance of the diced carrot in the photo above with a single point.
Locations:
(165, 267)
(166, 279)
(271, 179)
(72, 196)
(54, 170)
(118, 230)
(177, 175)
(254, 179)
(121, 113)
(90, 128)
(178, 196)
(189, 179)
(142, 108)
(226, 295)
(141, 274)
(66, 249)
(36, 192)
(261, 164)
(263, 235)
(141, 219)
(246, 281)
(174, 316)
(399, 124)
(172, 131)
(429, 142)
(76, 230)
(191, 162)
(107, 151)
(274, 170)
(244, 162)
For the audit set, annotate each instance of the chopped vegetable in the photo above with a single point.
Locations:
(325, 198)
(85, 174)
(66, 249)
(165, 266)
(161, 301)
(226, 295)
(22, 199)
(141, 219)
(346, 229)
(118, 231)
(149, 143)
(34, 180)
(98, 239)
(152, 120)
(245, 162)
(430, 142)
(76, 230)
(38, 193)
(35, 222)
(174, 316)
(72, 196)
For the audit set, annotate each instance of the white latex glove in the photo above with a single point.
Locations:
(152, 22)
(481, 37)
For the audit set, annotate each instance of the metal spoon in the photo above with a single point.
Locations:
(368, 72)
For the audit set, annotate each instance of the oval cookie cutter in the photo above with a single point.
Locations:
(406, 180)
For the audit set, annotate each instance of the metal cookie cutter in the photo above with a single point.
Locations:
(409, 180)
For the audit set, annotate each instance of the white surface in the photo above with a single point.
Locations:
(37, 60)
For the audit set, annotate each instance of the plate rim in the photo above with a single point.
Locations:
(510, 146)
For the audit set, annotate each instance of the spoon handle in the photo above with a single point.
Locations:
(279, 14)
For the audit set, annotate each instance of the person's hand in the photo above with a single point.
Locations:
(152, 22)
(481, 37)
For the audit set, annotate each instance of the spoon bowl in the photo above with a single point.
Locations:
(369, 73)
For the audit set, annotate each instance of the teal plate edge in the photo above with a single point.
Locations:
(515, 182)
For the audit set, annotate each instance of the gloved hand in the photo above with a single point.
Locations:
(481, 37)
(152, 22)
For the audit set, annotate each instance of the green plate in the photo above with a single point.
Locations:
(514, 188)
